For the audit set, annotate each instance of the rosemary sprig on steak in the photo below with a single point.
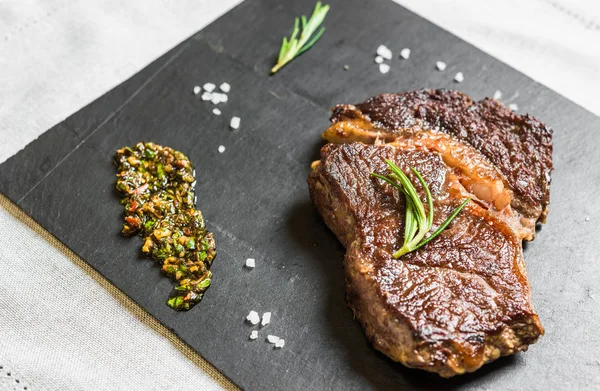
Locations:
(157, 184)
(417, 222)
(294, 46)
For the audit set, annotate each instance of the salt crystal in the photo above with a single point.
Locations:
(587, 218)
(209, 87)
(266, 319)
(254, 334)
(235, 122)
(250, 263)
(219, 97)
(384, 68)
(216, 111)
(440, 65)
(459, 77)
(225, 87)
(197, 90)
(405, 53)
(207, 96)
(384, 52)
(272, 338)
(378, 60)
(253, 317)
(513, 107)
(497, 95)
(346, 67)
(279, 344)
(221, 148)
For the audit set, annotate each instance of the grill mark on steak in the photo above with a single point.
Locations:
(519, 147)
(449, 307)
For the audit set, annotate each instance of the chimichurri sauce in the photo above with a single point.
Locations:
(157, 186)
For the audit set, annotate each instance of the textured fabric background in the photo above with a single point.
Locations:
(556, 42)
(62, 326)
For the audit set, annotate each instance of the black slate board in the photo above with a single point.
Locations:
(255, 198)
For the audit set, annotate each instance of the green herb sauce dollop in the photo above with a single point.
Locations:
(157, 186)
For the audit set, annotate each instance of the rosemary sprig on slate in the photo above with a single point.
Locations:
(295, 46)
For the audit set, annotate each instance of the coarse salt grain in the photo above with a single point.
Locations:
(216, 111)
(497, 95)
(197, 90)
(253, 317)
(378, 60)
(279, 344)
(250, 263)
(272, 338)
(266, 319)
(384, 52)
(209, 87)
(587, 218)
(459, 77)
(440, 65)
(219, 97)
(207, 96)
(346, 67)
(405, 53)
(384, 68)
(235, 122)
(513, 107)
(215, 99)
(221, 148)
(254, 334)
(225, 87)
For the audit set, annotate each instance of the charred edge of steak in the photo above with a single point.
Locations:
(390, 331)
(447, 358)
(520, 147)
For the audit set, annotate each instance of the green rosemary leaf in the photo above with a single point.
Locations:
(410, 189)
(390, 181)
(312, 41)
(409, 226)
(444, 224)
(283, 49)
(310, 34)
(429, 199)
(417, 221)
(295, 31)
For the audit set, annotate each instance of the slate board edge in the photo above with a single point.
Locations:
(102, 280)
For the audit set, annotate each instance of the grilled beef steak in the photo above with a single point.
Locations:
(519, 147)
(463, 299)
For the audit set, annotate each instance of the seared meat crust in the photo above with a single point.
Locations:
(464, 299)
(520, 147)
(449, 307)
